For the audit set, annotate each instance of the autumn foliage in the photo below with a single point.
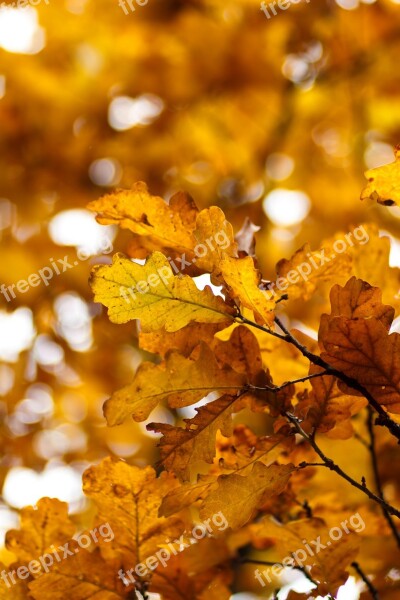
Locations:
(238, 367)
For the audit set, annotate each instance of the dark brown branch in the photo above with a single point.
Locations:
(277, 388)
(378, 482)
(373, 591)
(328, 463)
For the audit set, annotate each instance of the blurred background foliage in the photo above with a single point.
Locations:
(208, 96)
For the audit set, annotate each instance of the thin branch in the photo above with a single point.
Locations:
(378, 482)
(327, 462)
(373, 591)
(242, 319)
(277, 388)
(361, 439)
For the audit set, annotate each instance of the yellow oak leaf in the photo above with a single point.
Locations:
(371, 262)
(384, 183)
(174, 227)
(159, 224)
(84, 575)
(327, 559)
(8, 589)
(182, 381)
(300, 276)
(41, 527)
(243, 279)
(153, 294)
(215, 239)
(239, 497)
(128, 499)
(196, 574)
(186, 495)
(185, 340)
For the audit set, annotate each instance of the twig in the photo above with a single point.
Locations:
(378, 482)
(361, 439)
(260, 327)
(373, 591)
(277, 388)
(327, 462)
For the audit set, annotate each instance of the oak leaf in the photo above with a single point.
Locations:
(158, 224)
(239, 497)
(153, 294)
(214, 234)
(128, 498)
(243, 280)
(328, 565)
(326, 409)
(182, 448)
(384, 183)
(306, 270)
(84, 575)
(357, 299)
(182, 381)
(42, 526)
(185, 340)
(363, 350)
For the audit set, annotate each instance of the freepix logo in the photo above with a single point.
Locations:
(163, 555)
(219, 240)
(300, 556)
(46, 561)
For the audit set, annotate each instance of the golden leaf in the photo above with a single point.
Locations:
(150, 217)
(182, 448)
(182, 381)
(328, 565)
(128, 498)
(384, 183)
(243, 280)
(41, 527)
(153, 294)
(238, 497)
(84, 575)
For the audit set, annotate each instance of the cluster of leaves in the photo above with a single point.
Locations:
(256, 449)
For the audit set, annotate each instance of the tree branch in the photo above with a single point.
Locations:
(373, 591)
(375, 468)
(327, 462)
